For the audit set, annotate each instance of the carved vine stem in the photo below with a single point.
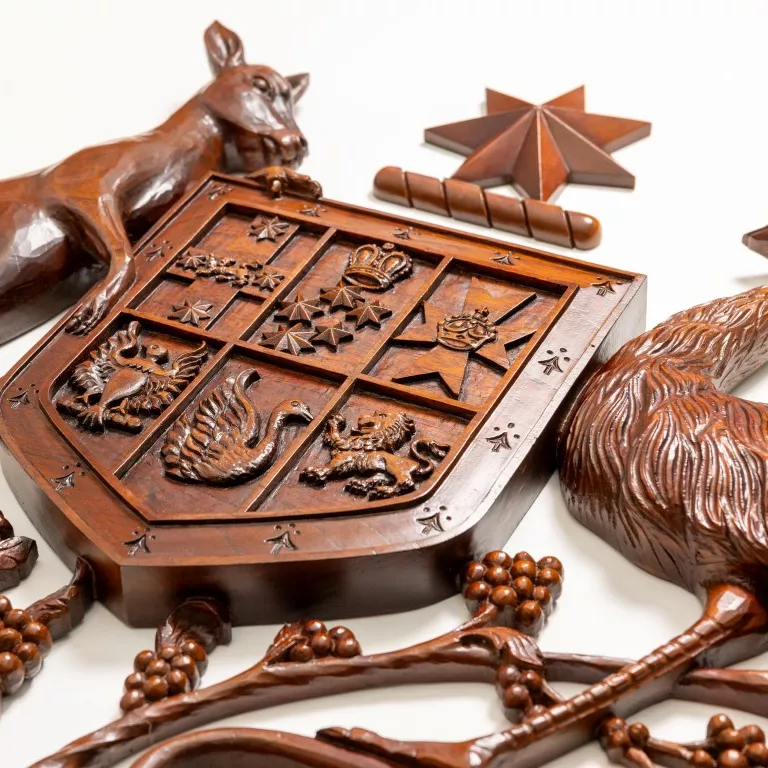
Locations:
(26, 636)
(18, 555)
(304, 662)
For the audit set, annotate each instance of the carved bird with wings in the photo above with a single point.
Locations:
(123, 379)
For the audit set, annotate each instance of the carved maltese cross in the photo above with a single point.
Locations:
(454, 339)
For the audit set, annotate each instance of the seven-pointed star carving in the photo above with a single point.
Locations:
(476, 331)
(341, 296)
(538, 149)
(300, 310)
(293, 340)
(268, 230)
(191, 312)
(368, 313)
(332, 334)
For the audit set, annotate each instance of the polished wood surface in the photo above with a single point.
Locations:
(539, 149)
(18, 555)
(183, 643)
(304, 404)
(509, 599)
(65, 227)
(26, 636)
(469, 202)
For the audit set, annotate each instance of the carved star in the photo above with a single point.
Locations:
(268, 230)
(538, 149)
(332, 334)
(191, 313)
(449, 365)
(293, 340)
(368, 313)
(194, 258)
(269, 281)
(341, 295)
(300, 310)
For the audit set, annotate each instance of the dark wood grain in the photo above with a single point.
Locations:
(539, 149)
(304, 407)
(66, 226)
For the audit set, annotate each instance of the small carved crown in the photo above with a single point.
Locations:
(377, 268)
(466, 332)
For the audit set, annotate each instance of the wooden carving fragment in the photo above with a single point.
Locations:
(59, 226)
(26, 636)
(180, 659)
(539, 148)
(18, 555)
(299, 387)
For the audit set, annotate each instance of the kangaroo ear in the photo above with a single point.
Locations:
(225, 48)
(299, 84)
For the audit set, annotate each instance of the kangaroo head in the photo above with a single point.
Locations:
(254, 104)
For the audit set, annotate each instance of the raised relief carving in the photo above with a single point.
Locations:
(369, 452)
(123, 379)
(299, 310)
(225, 270)
(268, 229)
(293, 340)
(191, 312)
(332, 334)
(377, 268)
(475, 331)
(341, 296)
(368, 313)
(217, 444)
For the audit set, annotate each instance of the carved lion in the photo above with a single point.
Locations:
(369, 453)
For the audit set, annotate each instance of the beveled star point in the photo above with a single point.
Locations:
(299, 310)
(539, 149)
(368, 313)
(293, 340)
(332, 334)
(191, 312)
(341, 296)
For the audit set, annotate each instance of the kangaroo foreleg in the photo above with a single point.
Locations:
(104, 232)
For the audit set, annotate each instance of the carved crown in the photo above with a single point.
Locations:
(377, 268)
(466, 332)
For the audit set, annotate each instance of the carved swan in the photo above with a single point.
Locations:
(216, 444)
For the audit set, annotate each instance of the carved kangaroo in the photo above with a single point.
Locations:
(59, 226)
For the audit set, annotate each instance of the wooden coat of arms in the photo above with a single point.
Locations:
(303, 406)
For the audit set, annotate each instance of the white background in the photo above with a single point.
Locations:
(73, 74)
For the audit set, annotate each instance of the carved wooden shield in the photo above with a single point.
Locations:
(303, 407)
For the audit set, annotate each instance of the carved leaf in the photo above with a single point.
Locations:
(64, 609)
(6, 529)
(513, 646)
(17, 557)
(201, 619)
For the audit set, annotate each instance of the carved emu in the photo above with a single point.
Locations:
(53, 220)
(663, 464)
